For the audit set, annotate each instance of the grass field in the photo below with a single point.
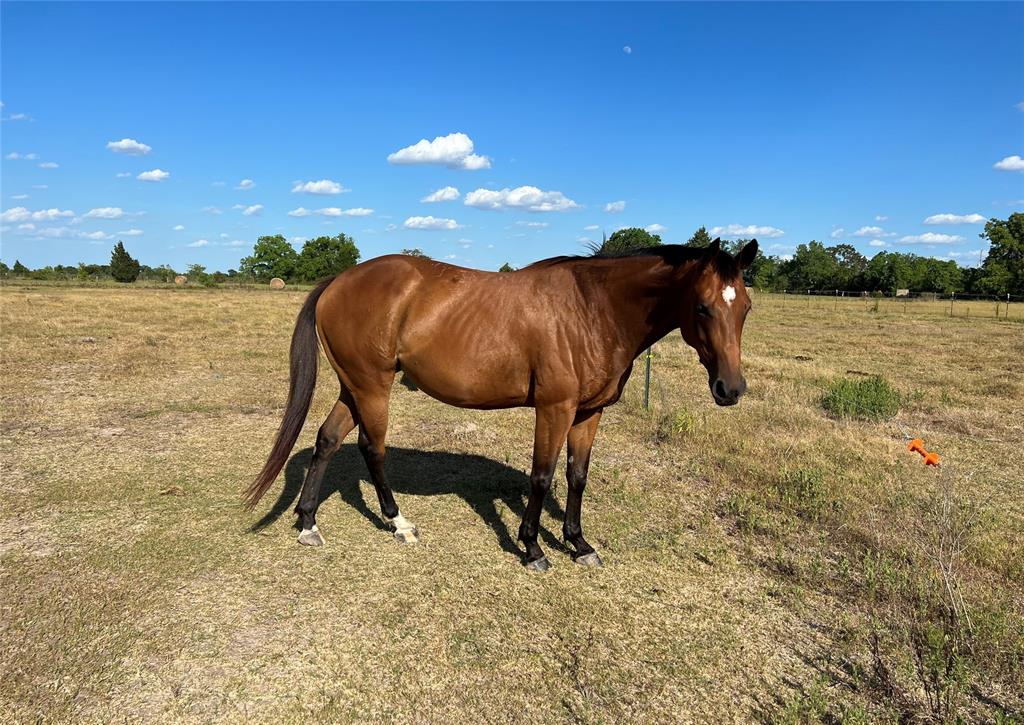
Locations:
(761, 562)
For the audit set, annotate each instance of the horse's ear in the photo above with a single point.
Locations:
(711, 251)
(747, 255)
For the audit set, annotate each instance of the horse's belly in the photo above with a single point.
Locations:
(469, 381)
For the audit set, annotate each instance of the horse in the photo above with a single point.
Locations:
(559, 336)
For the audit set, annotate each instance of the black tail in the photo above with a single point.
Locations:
(305, 358)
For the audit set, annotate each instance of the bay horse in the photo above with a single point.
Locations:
(559, 336)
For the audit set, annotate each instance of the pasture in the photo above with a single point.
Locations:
(761, 562)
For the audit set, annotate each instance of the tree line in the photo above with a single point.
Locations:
(813, 266)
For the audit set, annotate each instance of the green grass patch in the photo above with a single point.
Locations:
(866, 398)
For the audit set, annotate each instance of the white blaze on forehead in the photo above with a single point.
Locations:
(729, 294)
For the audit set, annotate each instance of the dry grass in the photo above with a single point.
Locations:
(753, 554)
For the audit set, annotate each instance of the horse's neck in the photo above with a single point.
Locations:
(646, 299)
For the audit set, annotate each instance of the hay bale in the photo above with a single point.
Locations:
(180, 279)
(277, 283)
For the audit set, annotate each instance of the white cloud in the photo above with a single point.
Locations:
(198, 243)
(1010, 163)
(49, 165)
(324, 187)
(532, 225)
(358, 211)
(245, 184)
(19, 197)
(872, 232)
(178, 227)
(591, 228)
(529, 198)
(454, 151)
(15, 156)
(123, 174)
(218, 184)
(878, 243)
(880, 218)
(429, 222)
(21, 214)
(27, 227)
(129, 146)
(614, 207)
(331, 211)
(18, 117)
(750, 230)
(955, 219)
(94, 235)
(390, 227)
(105, 212)
(154, 175)
(251, 210)
(40, 186)
(931, 238)
(656, 228)
(129, 233)
(212, 210)
(301, 211)
(837, 233)
(235, 243)
(448, 193)
(297, 240)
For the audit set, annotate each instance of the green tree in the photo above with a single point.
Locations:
(416, 252)
(19, 269)
(700, 238)
(4, 270)
(1003, 268)
(123, 267)
(624, 240)
(326, 256)
(272, 256)
(851, 265)
(506, 268)
(812, 267)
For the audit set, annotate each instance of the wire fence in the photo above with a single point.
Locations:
(1009, 307)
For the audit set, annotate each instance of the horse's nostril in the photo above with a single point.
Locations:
(720, 391)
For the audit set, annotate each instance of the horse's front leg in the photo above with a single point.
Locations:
(553, 423)
(580, 441)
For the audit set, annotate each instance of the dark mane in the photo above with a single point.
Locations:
(673, 254)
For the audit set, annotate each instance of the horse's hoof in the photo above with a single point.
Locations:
(540, 564)
(407, 536)
(591, 560)
(311, 537)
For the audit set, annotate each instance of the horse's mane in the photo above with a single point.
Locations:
(673, 254)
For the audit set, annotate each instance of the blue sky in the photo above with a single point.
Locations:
(789, 122)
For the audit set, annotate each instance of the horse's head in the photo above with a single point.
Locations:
(714, 309)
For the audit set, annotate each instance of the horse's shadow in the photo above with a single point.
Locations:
(479, 481)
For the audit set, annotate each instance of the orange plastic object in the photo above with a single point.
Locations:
(931, 459)
(917, 445)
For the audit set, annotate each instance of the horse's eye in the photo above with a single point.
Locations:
(703, 311)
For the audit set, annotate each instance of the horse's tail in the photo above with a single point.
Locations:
(305, 354)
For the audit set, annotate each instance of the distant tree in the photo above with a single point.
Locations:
(326, 256)
(416, 252)
(272, 256)
(700, 238)
(812, 267)
(1003, 268)
(4, 270)
(624, 240)
(19, 269)
(123, 267)
(851, 265)
(197, 273)
(506, 268)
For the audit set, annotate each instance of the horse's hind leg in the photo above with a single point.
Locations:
(339, 423)
(580, 441)
(373, 428)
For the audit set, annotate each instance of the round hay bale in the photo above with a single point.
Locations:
(277, 283)
(180, 279)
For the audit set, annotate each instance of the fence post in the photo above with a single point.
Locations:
(647, 380)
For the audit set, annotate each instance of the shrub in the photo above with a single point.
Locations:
(868, 398)
(123, 267)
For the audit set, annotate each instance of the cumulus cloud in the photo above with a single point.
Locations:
(591, 228)
(21, 214)
(529, 198)
(129, 146)
(15, 156)
(123, 174)
(448, 193)
(358, 211)
(837, 233)
(129, 233)
(430, 223)
(872, 232)
(245, 184)
(212, 210)
(331, 211)
(18, 117)
(178, 227)
(878, 243)
(198, 243)
(532, 225)
(19, 197)
(236, 243)
(656, 228)
(1010, 163)
(931, 238)
(323, 187)
(955, 219)
(105, 212)
(154, 175)
(49, 165)
(749, 230)
(880, 218)
(614, 207)
(251, 210)
(454, 151)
